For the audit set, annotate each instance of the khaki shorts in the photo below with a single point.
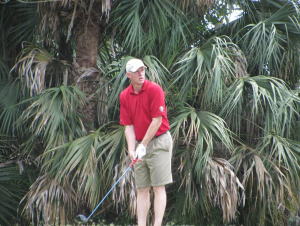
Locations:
(155, 169)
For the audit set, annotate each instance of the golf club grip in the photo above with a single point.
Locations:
(132, 163)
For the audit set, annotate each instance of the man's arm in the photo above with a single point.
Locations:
(130, 137)
(152, 129)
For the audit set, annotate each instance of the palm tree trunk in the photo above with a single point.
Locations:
(87, 33)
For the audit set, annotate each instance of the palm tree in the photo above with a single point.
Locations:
(229, 90)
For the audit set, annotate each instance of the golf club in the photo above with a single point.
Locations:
(81, 218)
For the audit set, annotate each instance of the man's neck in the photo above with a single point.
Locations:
(137, 88)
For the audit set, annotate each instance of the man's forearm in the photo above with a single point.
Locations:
(152, 129)
(131, 139)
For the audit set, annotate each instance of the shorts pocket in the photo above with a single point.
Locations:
(163, 142)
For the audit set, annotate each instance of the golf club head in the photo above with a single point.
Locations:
(81, 219)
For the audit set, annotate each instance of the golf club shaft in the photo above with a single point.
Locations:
(132, 163)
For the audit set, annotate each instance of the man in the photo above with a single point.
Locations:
(144, 115)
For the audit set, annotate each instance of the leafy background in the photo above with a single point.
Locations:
(232, 91)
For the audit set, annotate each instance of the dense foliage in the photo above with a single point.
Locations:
(232, 92)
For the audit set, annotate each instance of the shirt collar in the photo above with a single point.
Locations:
(144, 87)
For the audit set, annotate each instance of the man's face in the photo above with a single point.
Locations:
(138, 77)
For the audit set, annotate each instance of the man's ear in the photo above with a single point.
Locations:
(128, 74)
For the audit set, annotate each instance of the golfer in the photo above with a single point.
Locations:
(143, 112)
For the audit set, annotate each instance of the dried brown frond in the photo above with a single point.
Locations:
(49, 199)
(240, 63)
(222, 187)
(125, 191)
(33, 65)
(256, 173)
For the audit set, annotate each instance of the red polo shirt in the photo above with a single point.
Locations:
(139, 109)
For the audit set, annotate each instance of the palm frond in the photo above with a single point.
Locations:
(11, 97)
(23, 22)
(219, 188)
(206, 71)
(222, 187)
(124, 194)
(276, 34)
(144, 25)
(203, 129)
(48, 201)
(89, 163)
(53, 115)
(11, 193)
(262, 102)
(40, 69)
(285, 154)
(275, 24)
(266, 184)
(189, 197)
(4, 70)
(204, 132)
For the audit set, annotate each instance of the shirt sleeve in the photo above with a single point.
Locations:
(157, 106)
(124, 114)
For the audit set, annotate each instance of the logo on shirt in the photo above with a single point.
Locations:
(161, 108)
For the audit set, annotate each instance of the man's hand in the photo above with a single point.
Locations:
(132, 155)
(140, 151)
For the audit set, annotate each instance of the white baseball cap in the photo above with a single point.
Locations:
(134, 64)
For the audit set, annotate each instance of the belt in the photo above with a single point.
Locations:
(160, 135)
(156, 136)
